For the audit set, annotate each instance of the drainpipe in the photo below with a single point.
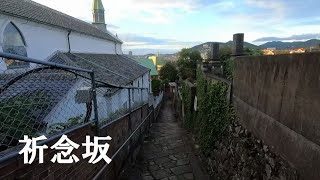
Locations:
(69, 47)
(115, 47)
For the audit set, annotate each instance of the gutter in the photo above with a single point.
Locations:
(69, 47)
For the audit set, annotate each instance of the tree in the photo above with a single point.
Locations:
(155, 84)
(225, 53)
(187, 63)
(168, 72)
(252, 52)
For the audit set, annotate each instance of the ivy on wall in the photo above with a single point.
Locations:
(228, 67)
(18, 118)
(186, 94)
(214, 112)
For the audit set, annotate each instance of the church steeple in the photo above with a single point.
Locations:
(98, 15)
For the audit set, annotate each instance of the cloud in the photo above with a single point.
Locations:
(138, 39)
(272, 6)
(162, 24)
(152, 11)
(138, 44)
(289, 38)
(111, 26)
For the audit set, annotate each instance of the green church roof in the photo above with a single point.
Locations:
(148, 64)
(97, 5)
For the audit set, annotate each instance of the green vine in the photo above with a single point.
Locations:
(18, 117)
(186, 94)
(213, 115)
(58, 127)
(228, 67)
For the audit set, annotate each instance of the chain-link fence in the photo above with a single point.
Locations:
(114, 103)
(44, 98)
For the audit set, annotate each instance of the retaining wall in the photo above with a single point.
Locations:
(278, 99)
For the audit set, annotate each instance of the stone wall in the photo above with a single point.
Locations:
(240, 155)
(277, 98)
(119, 130)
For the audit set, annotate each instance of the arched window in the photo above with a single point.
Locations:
(13, 42)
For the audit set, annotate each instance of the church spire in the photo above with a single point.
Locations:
(98, 15)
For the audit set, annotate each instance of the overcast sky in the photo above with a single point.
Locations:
(169, 25)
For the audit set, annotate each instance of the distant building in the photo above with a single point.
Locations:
(157, 61)
(130, 53)
(205, 52)
(268, 52)
(315, 48)
(300, 50)
(159, 67)
(154, 59)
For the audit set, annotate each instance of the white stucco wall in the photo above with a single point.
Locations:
(81, 43)
(142, 82)
(67, 108)
(43, 40)
(119, 48)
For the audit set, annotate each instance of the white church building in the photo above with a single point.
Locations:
(35, 31)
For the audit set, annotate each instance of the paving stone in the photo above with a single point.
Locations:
(160, 174)
(188, 176)
(182, 162)
(173, 178)
(150, 156)
(166, 152)
(146, 174)
(172, 157)
(168, 165)
(180, 155)
(181, 169)
(154, 168)
(168, 171)
(147, 178)
(162, 160)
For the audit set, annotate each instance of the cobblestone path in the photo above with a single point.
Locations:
(167, 154)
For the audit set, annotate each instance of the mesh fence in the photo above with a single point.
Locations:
(40, 100)
(114, 103)
(37, 100)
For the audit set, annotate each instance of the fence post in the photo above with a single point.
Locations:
(141, 107)
(95, 104)
(129, 95)
(142, 96)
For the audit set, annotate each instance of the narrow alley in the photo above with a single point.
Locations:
(168, 152)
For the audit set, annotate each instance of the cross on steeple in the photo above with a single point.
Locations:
(98, 15)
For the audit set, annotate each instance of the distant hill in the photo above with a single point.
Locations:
(274, 44)
(290, 45)
(227, 44)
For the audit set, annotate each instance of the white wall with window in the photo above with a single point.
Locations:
(39, 41)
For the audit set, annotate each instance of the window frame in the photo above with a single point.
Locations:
(16, 64)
